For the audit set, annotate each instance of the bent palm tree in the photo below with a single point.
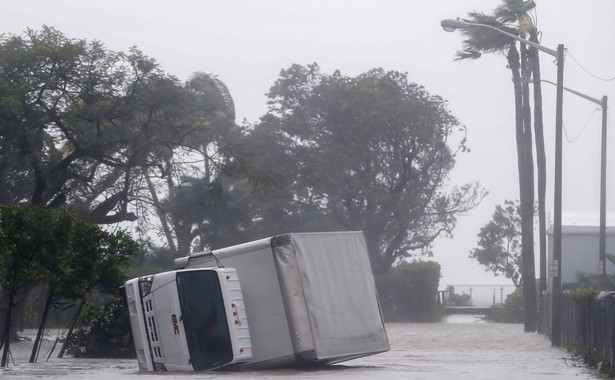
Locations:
(484, 40)
(214, 115)
(541, 163)
(519, 11)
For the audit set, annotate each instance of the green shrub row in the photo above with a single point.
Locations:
(408, 293)
(512, 311)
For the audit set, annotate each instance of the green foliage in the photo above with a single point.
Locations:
(408, 293)
(33, 243)
(206, 203)
(499, 243)
(214, 212)
(34, 304)
(596, 281)
(369, 153)
(154, 260)
(81, 125)
(584, 294)
(67, 257)
(103, 332)
(513, 309)
(515, 18)
(511, 312)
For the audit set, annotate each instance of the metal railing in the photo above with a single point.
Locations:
(476, 295)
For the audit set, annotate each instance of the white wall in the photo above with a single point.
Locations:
(580, 245)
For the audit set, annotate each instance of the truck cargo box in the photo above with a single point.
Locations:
(309, 297)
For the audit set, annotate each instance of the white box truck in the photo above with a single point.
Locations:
(288, 300)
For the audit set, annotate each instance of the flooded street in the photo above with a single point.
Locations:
(463, 347)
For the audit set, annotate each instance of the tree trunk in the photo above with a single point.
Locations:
(514, 64)
(4, 306)
(17, 316)
(71, 327)
(529, 287)
(41, 329)
(541, 163)
(6, 336)
(161, 214)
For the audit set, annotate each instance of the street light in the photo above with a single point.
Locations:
(602, 245)
(451, 25)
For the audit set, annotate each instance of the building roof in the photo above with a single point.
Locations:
(582, 230)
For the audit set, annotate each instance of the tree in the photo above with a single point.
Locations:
(112, 136)
(499, 243)
(519, 11)
(57, 249)
(541, 166)
(207, 213)
(103, 332)
(29, 239)
(199, 200)
(80, 124)
(513, 17)
(366, 153)
(103, 258)
(511, 311)
(408, 293)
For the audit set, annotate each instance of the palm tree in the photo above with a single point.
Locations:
(214, 114)
(519, 11)
(513, 17)
(541, 164)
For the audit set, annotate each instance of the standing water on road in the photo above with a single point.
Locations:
(463, 347)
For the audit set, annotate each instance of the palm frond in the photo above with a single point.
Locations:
(213, 92)
(467, 54)
(485, 40)
(512, 11)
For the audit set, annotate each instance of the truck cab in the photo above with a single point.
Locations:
(188, 320)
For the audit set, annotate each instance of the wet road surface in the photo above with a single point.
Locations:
(463, 347)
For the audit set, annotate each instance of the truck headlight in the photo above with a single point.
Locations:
(145, 285)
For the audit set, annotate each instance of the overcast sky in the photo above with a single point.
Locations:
(247, 42)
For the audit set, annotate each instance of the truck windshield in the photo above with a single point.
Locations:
(204, 319)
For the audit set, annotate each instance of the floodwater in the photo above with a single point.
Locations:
(462, 347)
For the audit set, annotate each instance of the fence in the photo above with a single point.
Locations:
(588, 327)
(545, 326)
(477, 295)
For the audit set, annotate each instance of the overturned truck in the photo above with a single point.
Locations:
(288, 300)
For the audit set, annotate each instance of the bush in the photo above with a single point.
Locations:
(512, 311)
(103, 332)
(408, 293)
(584, 294)
(595, 281)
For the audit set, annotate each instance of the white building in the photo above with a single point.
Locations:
(580, 246)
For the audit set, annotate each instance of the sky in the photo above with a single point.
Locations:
(247, 42)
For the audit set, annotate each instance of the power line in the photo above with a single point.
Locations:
(570, 141)
(587, 71)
